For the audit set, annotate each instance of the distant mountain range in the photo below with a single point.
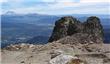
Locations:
(18, 28)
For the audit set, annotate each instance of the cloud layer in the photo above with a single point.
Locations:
(55, 7)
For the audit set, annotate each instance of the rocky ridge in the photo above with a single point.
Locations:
(72, 42)
(70, 26)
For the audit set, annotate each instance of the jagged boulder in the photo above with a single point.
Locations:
(93, 27)
(65, 26)
(89, 31)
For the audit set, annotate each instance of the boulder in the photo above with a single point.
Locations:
(61, 59)
(76, 61)
(66, 59)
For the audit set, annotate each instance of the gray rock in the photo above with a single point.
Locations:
(61, 59)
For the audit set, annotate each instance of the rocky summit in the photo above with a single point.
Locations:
(64, 27)
(89, 31)
(72, 42)
(93, 27)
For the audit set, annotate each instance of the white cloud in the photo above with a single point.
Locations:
(65, 0)
(1, 1)
(73, 3)
(11, 0)
(61, 7)
(91, 10)
(92, 1)
(48, 0)
(59, 0)
(82, 7)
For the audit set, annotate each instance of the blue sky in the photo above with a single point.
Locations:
(56, 7)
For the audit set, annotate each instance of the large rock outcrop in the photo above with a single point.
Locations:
(64, 27)
(94, 28)
(89, 31)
